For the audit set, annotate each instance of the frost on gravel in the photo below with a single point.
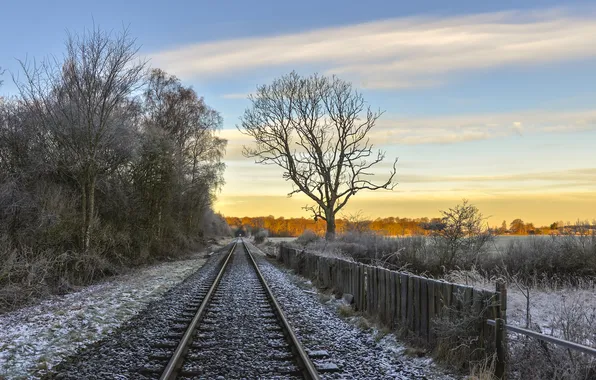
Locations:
(36, 338)
(357, 353)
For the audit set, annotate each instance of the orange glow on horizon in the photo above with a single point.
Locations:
(540, 209)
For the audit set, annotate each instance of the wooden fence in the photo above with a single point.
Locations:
(397, 299)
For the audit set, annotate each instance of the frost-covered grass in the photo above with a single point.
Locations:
(544, 304)
(36, 338)
(281, 239)
(567, 312)
(544, 298)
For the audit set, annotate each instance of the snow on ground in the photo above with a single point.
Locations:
(36, 338)
(281, 239)
(543, 303)
(551, 306)
(546, 304)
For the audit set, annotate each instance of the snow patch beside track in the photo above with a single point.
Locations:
(36, 338)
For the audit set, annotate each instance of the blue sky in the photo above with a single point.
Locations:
(492, 101)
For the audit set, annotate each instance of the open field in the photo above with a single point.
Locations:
(500, 243)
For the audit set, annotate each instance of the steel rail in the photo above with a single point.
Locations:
(175, 362)
(309, 370)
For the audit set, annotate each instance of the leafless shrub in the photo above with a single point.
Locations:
(457, 339)
(357, 223)
(307, 237)
(467, 276)
(260, 236)
(461, 237)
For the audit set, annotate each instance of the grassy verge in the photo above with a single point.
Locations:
(27, 274)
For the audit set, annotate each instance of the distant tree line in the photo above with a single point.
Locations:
(286, 227)
(519, 227)
(395, 226)
(103, 162)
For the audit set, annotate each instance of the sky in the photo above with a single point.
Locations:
(494, 102)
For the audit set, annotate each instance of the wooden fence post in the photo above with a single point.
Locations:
(403, 281)
(500, 366)
(501, 288)
(501, 332)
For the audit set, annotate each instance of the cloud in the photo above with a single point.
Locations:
(239, 95)
(473, 127)
(584, 176)
(518, 127)
(452, 129)
(402, 52)
(236, 141)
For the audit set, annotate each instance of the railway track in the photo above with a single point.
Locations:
(233, 329)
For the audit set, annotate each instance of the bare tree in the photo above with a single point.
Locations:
(315, 128)
(180, 157)
(357, 223)
(85, 107)
(460, 234)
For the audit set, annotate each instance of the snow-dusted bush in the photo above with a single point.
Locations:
(214, 224)
(260, 236)
(412, 253)
(307, 237)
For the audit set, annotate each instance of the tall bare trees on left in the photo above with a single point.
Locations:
(85, 104)
(179, 165)
(103, 165)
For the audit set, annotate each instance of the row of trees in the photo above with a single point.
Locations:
(391, 226)
(284, 227)
(99, 154)
(519, 227)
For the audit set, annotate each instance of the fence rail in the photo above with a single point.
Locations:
(546, 338)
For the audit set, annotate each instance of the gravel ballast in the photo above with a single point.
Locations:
(239, 336)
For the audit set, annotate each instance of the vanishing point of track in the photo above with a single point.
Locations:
(213, 330)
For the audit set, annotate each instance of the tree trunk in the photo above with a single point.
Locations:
(88, 210)
(330, 216)
(83, 215)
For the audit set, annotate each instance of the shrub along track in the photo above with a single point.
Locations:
(234, 329)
